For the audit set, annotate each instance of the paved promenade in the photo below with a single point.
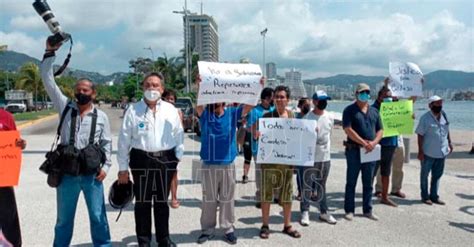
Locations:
(412, 223)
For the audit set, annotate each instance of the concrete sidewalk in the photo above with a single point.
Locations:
(412, 223)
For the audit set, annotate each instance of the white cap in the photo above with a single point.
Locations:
(434, 98)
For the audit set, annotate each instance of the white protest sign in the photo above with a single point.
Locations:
(286, 141)
(228, 82)
(405, 79)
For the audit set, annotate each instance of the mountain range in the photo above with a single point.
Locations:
(12, 61)
(440, 79)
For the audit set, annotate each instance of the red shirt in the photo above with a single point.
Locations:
(6, 121)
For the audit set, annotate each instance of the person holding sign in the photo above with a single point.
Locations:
(218, 152)
(276, 176)
(84, 137)
(389, 144)
(266, 105)
(363, 127)
(434, 145)
(319, 172)
(9, 221)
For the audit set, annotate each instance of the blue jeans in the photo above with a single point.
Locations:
(67, 195)
(353, 168)
(436, 166)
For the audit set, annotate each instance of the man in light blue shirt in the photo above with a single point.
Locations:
(434, 144)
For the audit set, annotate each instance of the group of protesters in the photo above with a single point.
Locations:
(150, 146)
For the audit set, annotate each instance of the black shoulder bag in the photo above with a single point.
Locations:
(92, 157)
(52, 165)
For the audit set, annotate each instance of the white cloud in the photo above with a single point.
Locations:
(300, 35)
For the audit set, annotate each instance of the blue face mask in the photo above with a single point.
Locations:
(364, 97)
(388, 99)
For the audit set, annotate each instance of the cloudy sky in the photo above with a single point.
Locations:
(320, 38)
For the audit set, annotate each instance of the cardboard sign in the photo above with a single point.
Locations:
(405, 79)
(10, 158)
(286, 141)
(227, 82)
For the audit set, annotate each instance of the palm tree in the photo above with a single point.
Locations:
(30, 79)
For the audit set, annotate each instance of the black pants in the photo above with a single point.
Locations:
(152, 178)
(385, 162)
(248, 148)
(9, 222)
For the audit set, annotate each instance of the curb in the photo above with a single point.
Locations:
(36, 121)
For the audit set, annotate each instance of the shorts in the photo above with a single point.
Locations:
(277, 178)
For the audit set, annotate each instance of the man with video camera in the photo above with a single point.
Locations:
(85, 149)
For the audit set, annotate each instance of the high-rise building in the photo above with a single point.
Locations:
(271, 70)
(294, 82)
(203, 37)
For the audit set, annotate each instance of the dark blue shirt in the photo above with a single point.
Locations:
(218, 143)
(365, 125)
(391, 141)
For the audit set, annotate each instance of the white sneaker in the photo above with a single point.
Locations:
(372, 216)
(349, 216)
(328, 218)
(304, 218)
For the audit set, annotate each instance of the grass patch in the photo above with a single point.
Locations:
(28, 116)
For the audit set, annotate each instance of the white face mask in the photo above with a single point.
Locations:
(152, 95)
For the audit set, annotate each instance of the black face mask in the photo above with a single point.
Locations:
(305, 109)
(436, 109)
(322, 104)
(83, 99)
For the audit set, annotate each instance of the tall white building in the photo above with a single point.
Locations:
(203, 37)
(271, 70)
(294, 82)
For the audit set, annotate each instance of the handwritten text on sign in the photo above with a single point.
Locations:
(397, 118)
(286, 141)
(405, 79)
(10, 158)
(226, 82)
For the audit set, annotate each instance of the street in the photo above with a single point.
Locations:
(412, 223)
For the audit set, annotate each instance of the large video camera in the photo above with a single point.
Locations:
(44, 11)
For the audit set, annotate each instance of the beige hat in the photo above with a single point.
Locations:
(362, 87)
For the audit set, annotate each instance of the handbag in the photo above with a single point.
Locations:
(52, 164)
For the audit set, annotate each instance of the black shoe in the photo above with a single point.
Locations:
(258, 205)
(166, 243)
(439, 202)
(230, 238)
(204, 237)
(245, 179)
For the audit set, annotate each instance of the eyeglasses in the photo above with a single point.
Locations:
(365, 91)
(280, 97)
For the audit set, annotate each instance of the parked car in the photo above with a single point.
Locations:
(15, 106)
(191, 121)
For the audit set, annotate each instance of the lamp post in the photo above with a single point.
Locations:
(185, 12)
(263, 33)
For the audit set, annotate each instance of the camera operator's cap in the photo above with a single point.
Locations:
(434, 98)
(362, 87)
(321, 95)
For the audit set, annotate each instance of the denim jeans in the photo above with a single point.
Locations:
(353, 168)
(67, 195)
(436, 167)
(315, 178)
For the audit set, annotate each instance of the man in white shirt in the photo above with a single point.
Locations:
(322, 163)
(151, 144)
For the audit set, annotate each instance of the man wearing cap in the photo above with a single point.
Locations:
(322, 163)
(434, 144)
(364, 131)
